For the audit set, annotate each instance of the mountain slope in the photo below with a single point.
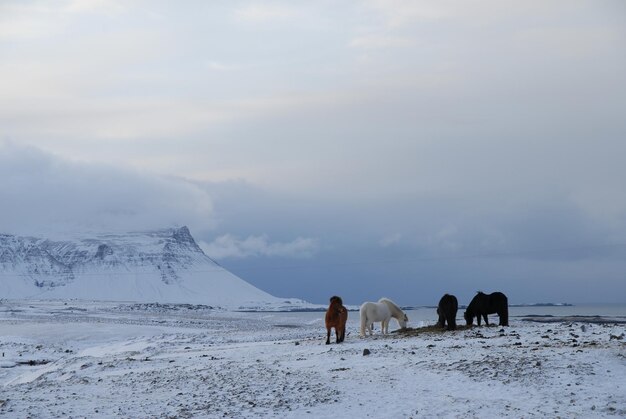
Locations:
(158, 266)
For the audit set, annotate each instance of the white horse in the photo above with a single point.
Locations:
(382, 312)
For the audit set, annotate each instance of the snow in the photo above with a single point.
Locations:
(106, 359)
(164, 266)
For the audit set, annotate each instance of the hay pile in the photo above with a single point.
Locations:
(433, 330)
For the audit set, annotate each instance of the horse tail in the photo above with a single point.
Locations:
(504, 319)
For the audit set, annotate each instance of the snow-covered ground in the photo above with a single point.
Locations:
(81, 359)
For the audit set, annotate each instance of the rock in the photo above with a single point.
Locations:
(366, 352)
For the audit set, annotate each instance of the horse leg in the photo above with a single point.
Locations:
(363, 317)
(328, 336)
(486, 319)
(452, 323)
(504, 318)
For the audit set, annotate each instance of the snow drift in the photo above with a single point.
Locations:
(157, 266)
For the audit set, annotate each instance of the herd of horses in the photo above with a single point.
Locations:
(384, 310)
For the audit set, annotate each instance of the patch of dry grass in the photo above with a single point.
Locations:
(434, 329)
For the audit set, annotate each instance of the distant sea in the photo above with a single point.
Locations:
(602, 310)
(608, 311)
(424, 316)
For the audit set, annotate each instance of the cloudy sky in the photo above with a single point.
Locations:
(360, 148)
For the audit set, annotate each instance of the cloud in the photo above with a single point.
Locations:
(380, 41)
(219, 66)
(445, 238)
(467, 128)
(403, 12)
(107, 7)
(390, 240)
(264, 13)
(22, 21)
(43, 194)
(229, 246)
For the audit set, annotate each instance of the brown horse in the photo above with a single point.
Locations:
(336, 316)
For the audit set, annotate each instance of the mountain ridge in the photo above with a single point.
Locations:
(164, 265)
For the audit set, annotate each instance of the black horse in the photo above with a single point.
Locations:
(483, 304)
(448, 305)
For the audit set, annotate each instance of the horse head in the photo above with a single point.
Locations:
(403, 320)
(336, 300)
(469, 317)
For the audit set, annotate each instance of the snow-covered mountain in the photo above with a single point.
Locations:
(157, 266)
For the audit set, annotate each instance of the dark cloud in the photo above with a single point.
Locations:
(45, 194)
(293, 245)
(544, 250)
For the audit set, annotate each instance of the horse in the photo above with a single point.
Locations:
(336, 316)
(483, 304)
(382, 311)
(447, 308)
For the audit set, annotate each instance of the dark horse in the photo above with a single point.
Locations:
(336, 316)
(483, 304)
(448, 305)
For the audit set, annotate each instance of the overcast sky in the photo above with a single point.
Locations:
(360, 148)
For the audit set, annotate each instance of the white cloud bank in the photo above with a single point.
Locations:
(229, 246)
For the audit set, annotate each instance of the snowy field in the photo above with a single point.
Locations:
(80, 359)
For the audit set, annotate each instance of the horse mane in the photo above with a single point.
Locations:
(337, 299)
(391, 303)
